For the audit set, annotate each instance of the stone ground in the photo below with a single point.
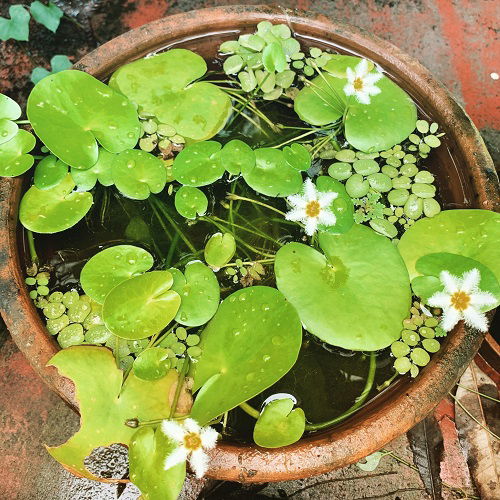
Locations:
(458, 41)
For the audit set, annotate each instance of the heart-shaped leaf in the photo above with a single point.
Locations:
(272, 175)
(199, 291)
(49, 172)
(261, 334)
(101, 171)
(137, 174)
(104, 403)
(371, 461)
(70, 111)
(220, 249)
(152, 363)
(387, 120)
(14, 159)
(198, 164)
(236, 155)
(297, 156)
(141, 306)
(113, 266)
(278, 425)
(55, 209)
(470, 233)
(190, 202)
(425, 286)
(362, 271)
(18, 26)
(147, 453)
(48, 15)
(9, 110)
(341, 206)
(163, 86)
(58, 63)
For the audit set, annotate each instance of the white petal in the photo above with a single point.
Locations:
(325, 199)
(296, 215)
(372, 78)
(440, 299)
(173, 430)
(351, 76)
(311, 225)
(372, 89)
(349, 89)
(363, 97)
(297, 201)
(191, 425)
(451, 283)
(310, 190)
(208, 437)
(470, 280)
(327, 218)
(362, 68)
(178, 456)
(199, 463)
(476, 319)
(481, 299)
(450, 318)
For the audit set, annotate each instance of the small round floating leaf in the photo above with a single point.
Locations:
(273, 57)
(220, 249)
(357, 186)
(402, 365)
(366, 167)
(297, 156)
(14, 159)
(236, 155)
(431, 345)
(342, 206)
(383, 226)
(101, 171)
(141, 306)
(340, 171)
(425, 286)
(55, 209)
(278, 425)
(9, 110)
(152, 364)
(399, 349)
(112, 266)
(49, 172)
(137, 174)
(71, 110)
(190, 202)
(71, 335)
(420, 357)
(8, 130)
(198, 164)
(233, 64)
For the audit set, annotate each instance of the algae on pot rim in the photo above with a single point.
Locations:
(226, 242)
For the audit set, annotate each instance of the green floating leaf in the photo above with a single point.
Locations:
(113, 266)
(163, 86)
(137, 174)
(57, 63)
(48, 15)
(147, 453)
(470, 233)
(141, 306)
(220, 249)
(55, 209)
(70, 111)
(18, 26)
(297, 156)
(101, 171)
(198, 164)
(9, 110)
(387, 120)
(272, 175)
(199, 291)
(236, 155)
(104, 403)
(49, 172)
(261, 334)
(273, 58)
(152, 363)
(278, 425)
(370, 462)
(341, 206)
(361, 271)
(14, 159)
(190, 202)
(425, 286)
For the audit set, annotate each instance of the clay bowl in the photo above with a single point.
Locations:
(466, 179)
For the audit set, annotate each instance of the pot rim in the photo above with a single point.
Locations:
(377, 423)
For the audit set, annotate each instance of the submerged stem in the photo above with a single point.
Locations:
(180, 382)
(32, 248)
(231, 196)
(250, 410)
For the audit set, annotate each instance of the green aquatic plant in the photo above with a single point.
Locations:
(58, 63)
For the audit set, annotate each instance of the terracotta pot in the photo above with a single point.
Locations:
(466, 179)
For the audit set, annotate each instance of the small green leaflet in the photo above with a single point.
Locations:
(57, 63)
(18, 26)
(48, 15)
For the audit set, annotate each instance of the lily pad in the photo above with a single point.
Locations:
(147, 453)
(199, 291)
(163, 86)
(9, 110)
(297, 156)
(278, 425)
(362, 271)
(470, 233)
(198, 164)
(141, 306)
(342, 206)
(49, 172)
(387, 120)
(113, 266)
(71, 110)
(261, 334)
(190, 202)
(55, 209)
(14, 159)
(272, 175)
(425, 286)
(220, 249)
(137, 174)
(152, 363)
(101, 171)
(237, 155)
(104, 403)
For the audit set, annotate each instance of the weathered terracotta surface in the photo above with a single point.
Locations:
(395, 410)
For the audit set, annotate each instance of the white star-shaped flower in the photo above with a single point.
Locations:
(462, 299)
(192, 440)
(311, 208)
(361, 82)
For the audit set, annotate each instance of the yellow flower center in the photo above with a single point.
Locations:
(460, 300)
(192, 441)
(313, 208)
(358, 84)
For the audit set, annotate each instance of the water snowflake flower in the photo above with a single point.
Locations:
(361, 82)
(462, 299)
(192, 441)
(311, 208)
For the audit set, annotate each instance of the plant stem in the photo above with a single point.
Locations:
(293, 139)
(32, 248)
(256, 202)
(171, 250)
(22, 122)
(479, 393)
(159, 339)
(387, 383)
(250, 410)
(261, 234)
(261, 261)
(180, 382)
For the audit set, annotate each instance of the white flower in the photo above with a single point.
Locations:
(462, 299)
(311, 208)
(192, 440)
(361, 82)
